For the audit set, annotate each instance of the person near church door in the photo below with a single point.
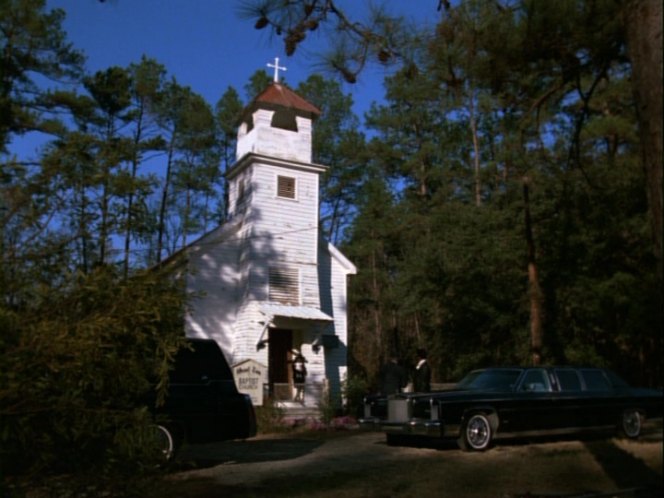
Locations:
(299, 374)
(422, 374)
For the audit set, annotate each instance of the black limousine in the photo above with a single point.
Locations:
(524, 401)
(203, 404)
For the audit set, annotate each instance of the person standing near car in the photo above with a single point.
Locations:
(393, 377)
(422, 374)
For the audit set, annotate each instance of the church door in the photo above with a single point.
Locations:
(280, 344)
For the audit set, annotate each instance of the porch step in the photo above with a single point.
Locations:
(295, 412)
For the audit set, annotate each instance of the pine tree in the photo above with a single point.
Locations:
(32, 44)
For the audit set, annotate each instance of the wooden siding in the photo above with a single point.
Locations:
(263, 138)
(333, 279)
(285, 230)
(239, 193)
(213, 279)
(229, 310)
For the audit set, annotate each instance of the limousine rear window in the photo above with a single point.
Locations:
(615, 380)
(595, 380)
(569, 379)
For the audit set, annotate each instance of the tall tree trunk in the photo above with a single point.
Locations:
(644, 42)
(418, 333)
(104, 215)
(130, 199)
(228, 158)
(83, 229)
(534, 289)
(161, 225)
(185, 217)
(476, 151)
(106, 192)
(644, 39)
(376, 309)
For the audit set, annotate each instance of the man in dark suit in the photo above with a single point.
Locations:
(422, 374)
(392, 377)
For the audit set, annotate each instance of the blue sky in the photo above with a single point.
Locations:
(205, 44)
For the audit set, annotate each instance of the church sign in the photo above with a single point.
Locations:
(250, 377)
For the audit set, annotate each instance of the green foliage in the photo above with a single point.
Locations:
(328, 408)
(269, 417)
(257, 83)
(353, 391)
(33, 44)
(339, 145)
(82, 365)
(497, 99)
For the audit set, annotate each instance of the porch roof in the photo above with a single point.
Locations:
(301, 312)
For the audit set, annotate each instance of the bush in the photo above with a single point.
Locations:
(328, 408)
(354, 390)
(81, 366)
(269, 417)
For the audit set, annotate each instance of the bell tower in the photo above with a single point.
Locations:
(277, 123)
(275, 126)
(274, 188)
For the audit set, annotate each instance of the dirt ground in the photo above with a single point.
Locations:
(361, 464)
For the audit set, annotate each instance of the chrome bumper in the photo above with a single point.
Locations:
(416, 427)
(370, 423)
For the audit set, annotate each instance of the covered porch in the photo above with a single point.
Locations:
(290, 332)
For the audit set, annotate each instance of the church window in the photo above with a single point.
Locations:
(286, 187)
(284, 285)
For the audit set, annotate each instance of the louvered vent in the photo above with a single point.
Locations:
(284, 286)
(286, 187)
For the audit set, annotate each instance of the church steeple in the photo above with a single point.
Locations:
(277, 123)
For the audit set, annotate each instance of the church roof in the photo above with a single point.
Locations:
(278, 95)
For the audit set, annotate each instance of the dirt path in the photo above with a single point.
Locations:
(359, 464)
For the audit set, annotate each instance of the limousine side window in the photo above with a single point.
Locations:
(595, 380)
(616, 381)
(535, 381)
(568, 379)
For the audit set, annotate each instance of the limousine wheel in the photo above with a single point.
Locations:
(165, 441)
(476, 435)
(631, 424)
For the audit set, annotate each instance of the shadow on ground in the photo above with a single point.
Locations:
(198, 456)
(626, 470)
(452, 445)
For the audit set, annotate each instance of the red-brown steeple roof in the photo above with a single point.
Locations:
(278, 95)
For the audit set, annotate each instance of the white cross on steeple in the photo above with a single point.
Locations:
(276, 67)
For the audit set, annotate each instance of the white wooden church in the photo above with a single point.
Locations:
(268, 283)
